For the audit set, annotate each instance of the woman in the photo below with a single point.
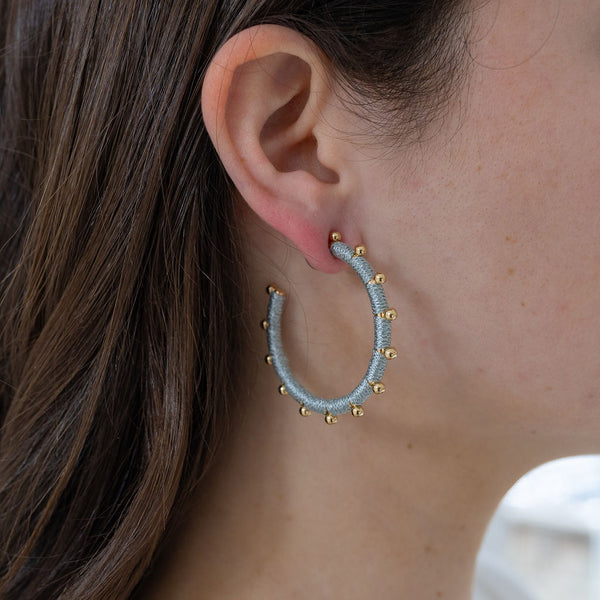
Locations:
(163, 162)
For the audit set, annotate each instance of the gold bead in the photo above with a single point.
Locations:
(357, 411)
(360, 250)
(264, 324)
(330, 419)
(269, 359)
(389, 353)
(271, 289)
(282, 390)
(377, 387)
(304, 411)
(389, 315)
(335, 236)
(379, 278)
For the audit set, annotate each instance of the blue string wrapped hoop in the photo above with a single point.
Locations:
(383, 351)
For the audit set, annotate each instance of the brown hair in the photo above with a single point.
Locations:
(121, 291)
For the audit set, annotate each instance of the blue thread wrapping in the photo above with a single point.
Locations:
(382, 340)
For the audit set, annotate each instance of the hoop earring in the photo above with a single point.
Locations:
(382, 350)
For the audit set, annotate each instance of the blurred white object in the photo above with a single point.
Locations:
(495, 580)
(546, 535)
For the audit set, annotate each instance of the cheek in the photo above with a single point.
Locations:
(501, 242)
(523, 238)
(512, 269)
(517, 295)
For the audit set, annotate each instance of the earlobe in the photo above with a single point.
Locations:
(265, 100)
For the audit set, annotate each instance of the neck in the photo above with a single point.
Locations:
(295, 508)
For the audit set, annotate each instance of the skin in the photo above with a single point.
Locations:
(487, 232)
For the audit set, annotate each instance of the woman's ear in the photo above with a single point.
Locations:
(269, 106)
